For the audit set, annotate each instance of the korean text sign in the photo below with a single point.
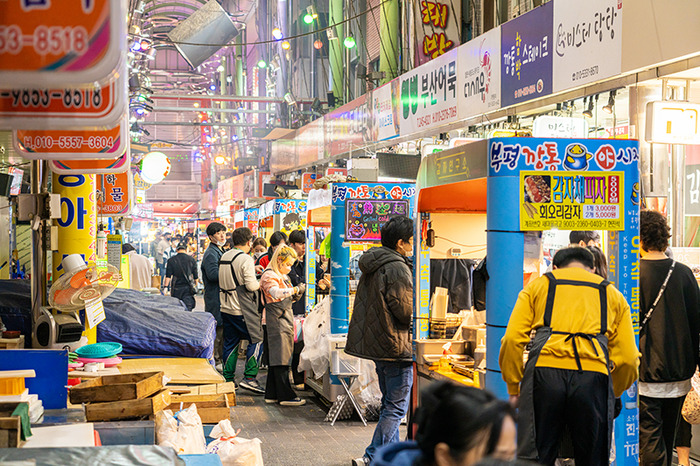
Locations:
(366, 217)
(526, 56)
(437, 28)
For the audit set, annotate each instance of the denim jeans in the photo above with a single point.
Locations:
(395, 382)
(235, 331)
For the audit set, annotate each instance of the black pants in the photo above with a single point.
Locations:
(658, 421)
(185, 296)
(684, 432)
(577, 400)
(296, 375)
(265, 358)
(278, 386)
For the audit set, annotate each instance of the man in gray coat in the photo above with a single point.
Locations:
(380, 329)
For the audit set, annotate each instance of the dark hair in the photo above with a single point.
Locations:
(601, 263)
(166, 234)
(126, 247)
(395, 229)
(462, 417)
(566, 256)
(297, 237)
(289, 219)
(654, 232)
(575, 237)
(490, 461)
(215, 227)
(260, 241)
(241, 236)
(277, 237)
(181, 246)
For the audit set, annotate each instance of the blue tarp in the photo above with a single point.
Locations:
(144, 324)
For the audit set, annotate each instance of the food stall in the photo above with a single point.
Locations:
(504, 192)
(284, 215)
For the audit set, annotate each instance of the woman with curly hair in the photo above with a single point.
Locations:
(669, 321)
(457, 425)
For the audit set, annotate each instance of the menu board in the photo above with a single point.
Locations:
(365, 217)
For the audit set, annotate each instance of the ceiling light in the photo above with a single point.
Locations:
(349, 42)
(262, 64)
(219, 159)
(286, 45)
(588, 113)
(611, 103)
(277, 34)
(196, 105)
(318, 44)
(220, 68)
(212, 87)
(308, 19)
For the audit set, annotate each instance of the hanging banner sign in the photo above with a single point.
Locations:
(571, 200)
(60, 43)
(547, 126)
(587, 42)
(347, 128)
(480, 65)
(386, 104)
(307, 182)
(526, 56)
(437, 28)
(114, 194)
(92, 106)
(429, 95)
(73, 144)
(92, 166)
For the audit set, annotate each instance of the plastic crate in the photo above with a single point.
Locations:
(11, 386)
(342, 363)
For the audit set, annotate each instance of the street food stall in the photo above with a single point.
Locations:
(504, 193)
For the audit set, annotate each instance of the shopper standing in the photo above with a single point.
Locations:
(279, 294)
(140, 268)
(583, 328)
(669, 316)
(161, 248)
(210, 277)
(181, 269)
(278, 238)
(239, 310)
(380, 326)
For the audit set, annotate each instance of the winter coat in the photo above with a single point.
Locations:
(380, 327)
(210, 278)
(397, 454)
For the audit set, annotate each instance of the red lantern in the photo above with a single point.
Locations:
(318, 45)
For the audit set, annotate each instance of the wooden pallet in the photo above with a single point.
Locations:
(117, 388)
(10, 428)
(116, 410)
(215, 390)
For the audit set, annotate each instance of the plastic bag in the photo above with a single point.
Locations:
(366, 390)
(315, 356)
(233, 450)
(181, 431)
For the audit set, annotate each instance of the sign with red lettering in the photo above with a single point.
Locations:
(60, 43)
(114, 194)
(438, 28)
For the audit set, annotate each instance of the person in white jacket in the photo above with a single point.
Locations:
(140, 268)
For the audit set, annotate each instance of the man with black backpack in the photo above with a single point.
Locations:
(239, 309)
(182, 270)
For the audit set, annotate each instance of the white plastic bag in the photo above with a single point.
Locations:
(184, 434)
(316, 353)
(233, 450)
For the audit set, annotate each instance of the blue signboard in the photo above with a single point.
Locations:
(526, 56)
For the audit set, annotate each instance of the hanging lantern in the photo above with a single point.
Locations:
(318, 45)
(155, 166)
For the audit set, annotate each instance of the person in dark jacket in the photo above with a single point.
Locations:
(380, 328)
(181, 270)
(457, 425)
(210, 277)
(669, 321)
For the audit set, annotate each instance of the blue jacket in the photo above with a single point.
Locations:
(210, 278)
(397, 454)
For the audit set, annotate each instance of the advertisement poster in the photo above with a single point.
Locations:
(429, 95)
(526, 56)
(480, 64)
(347, 128)
(438, 28)
(587, 42)
(571, 200)
(386, 101)
(292, 215)
(114, 194)
(366, 217)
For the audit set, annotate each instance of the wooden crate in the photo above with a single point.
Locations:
(218, 389)
(12, 343)
(10, 428)
(211, 408)
(115, 410)
(117, 388)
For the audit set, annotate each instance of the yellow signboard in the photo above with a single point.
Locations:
(571, 200)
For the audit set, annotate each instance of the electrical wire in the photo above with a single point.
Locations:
(460, 244)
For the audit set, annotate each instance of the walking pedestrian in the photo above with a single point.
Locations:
(181, 274)
(239, 310)
(583, 355)
(278, 295)
(669, 316)
(210, 277)
(140, 268)
(380, 326)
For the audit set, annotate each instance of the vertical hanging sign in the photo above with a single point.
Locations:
(438, 28)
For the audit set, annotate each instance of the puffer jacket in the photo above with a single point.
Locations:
(380, 327)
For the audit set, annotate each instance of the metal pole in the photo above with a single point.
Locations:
(230, 98)
(38, 277)
(195, 123)
(213, 110)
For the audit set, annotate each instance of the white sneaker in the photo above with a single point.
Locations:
(295, 402)
(361, 461)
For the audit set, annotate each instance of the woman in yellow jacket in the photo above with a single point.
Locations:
(583, 355)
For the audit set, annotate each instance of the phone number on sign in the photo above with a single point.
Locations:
(67, 142)
(71, 98)
(44, 40)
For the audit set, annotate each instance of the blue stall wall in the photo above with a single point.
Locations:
(507, 158)
(340, 251)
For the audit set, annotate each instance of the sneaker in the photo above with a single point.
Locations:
(295, 402)
(252, 385)
(362, 461)
(270, 401)
(298, 386)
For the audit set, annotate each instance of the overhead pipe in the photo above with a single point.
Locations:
(232, 98)
(195, 124)
(213, 110)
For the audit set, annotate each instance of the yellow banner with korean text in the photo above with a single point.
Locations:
(571, 200)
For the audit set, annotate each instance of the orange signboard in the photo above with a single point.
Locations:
(91, 166)
(114, 194)
(72, 144)
(63, 43)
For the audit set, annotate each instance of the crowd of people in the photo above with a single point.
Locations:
(573, 326)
